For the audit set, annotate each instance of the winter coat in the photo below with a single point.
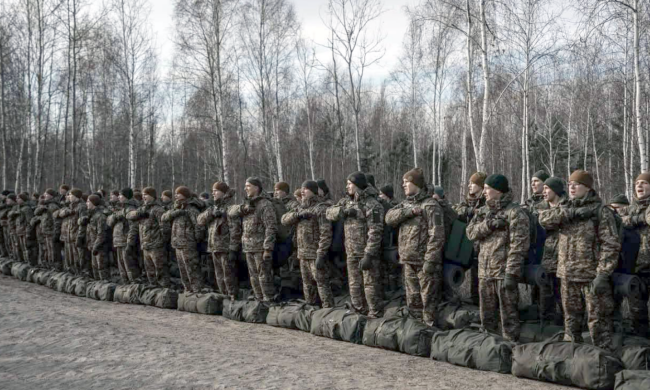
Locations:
(220, 239)
(122, 233)
(152, 231)
(313, 233)
(185, 233)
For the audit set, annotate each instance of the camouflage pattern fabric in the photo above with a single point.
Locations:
(188, 266)
(155, 265)
(315, 283)
(225, 274)
(497, 301)
(219, 228)
(260, 272)
(599, 310)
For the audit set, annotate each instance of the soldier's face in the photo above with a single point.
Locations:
(577, 190)
(474, 189)
(122, 198)
(114, 198)
(537, 185)
(279, 194)
(147, 198)
(642, 189)
(491, 193)
(179, 197)
(10, 202)
(216, 194)
(410, 189)
(306, 193)
(20, 201)
(321, 192)
(549, 194)
(63, 192)
(351, 188)
(383, 196)
(90, 205)
(251, 190)
(165, 198)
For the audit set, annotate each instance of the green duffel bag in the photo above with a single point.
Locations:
(44, 277)
(54, 279)
(455, 315)
(473, 349)
(20, 271)
(163, 298)
(291, 315)
(210, 303)
(72, 284)
(129, 293)
(187, 302)
(63, 281)
(339, 324)
(32, 275)
(234, 310)
(245, 311)
(535, 331)
(101, 290)
(5, 267)
(80, 285)
(633, 380)
(636, 357)
(399, 331)
(566, 363)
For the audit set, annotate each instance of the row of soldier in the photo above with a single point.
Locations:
(580, 254)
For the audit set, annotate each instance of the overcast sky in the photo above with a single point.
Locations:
(393, 24)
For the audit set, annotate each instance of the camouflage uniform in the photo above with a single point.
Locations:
(168, 205)
(153, 234)
(465, 211)
(35, 224)
(223, 231)
(4, 222)
(586, 247)
(185, 234)
(363, 235)
(124, 241)
(258, 235)
(535, 202)
(15, 241)
(551, 295)
(23, 215)
(421, 240)
(502, 252)
(290, 203)
(313, 238)
(96, 240)
(390, 270)
(69, 216)
(636, 218)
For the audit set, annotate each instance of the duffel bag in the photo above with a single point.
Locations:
(32, 275)
(54, 279)
(20, 271)
(164, 298)
(246, 311)
(79, 286)
(633, 380)
(5, 266)
(129, 293)
(101, 290)
(339, 324)
(63, 281)
(566, 363)
(536, 331)
(473, 349)
(452, 315)
(44, 277)
(399, 331)
(210, 303)
(291, 315)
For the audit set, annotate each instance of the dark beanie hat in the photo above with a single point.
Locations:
(12, 196)
(64, 187)
(98, 193)
(370, 178)
(220, 186)
(478, 178)
(620, 199)
(498, 182)
(94, 199)
(645, 176)
(184, 191)
(438, 190)
(416, 176)
(50, 192)
(323, 186)
(84, 197)
(387, 190)
(167, 193)
(255, 181)
(24, 196)
(282, 186)
(150, 191)
(582, 177)
(311, 186)
(205, 195)
(6, 192)
(76, 192)
(541, 175)
(358, 179)
(115, 192)
(556, 184)
(127, 193)
(137, 195)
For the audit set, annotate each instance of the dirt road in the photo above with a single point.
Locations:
(50, 340)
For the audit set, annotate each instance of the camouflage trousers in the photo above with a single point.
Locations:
(4, 252)
(315, 283)
(368, 282)
(550, 302)
(423, 292)
(497, 301)
(155, 265)
(188, 267)
(29, 250)
(599, 309)
(260, 272)
(98, 262)
(127, 264)
(224, 273)
(52, 252)
(639, 307)
(15, 247)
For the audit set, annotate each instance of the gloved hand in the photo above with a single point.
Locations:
(321, 261)
(496, 223)
(142, 214)
(415, 211)
(366, 262)
(583, 213)
(232, 257)
(600, 285)
(305, 214)
(350, 212)
(638, 220)
(429, 267)
(268, 255)
(247, 209)
(217, 213)
(510, 282)
(83, 221)
(33, 221)
(40, 210)
(178, 213)
(80, 242)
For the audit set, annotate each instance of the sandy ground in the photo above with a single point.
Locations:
(50, 340)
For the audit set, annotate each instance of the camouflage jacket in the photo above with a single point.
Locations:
(363, 233)
(220, 238)
(467, 208)
(549, 259)
(421, 237)
(290, 202)
(23, 215)
(185, 233)
(259, 224)
(585, 247)
(148, 219)
(534, 203)
(502, 251)
(4, 215)
(69, 216)
(96, 229)
(50, 226)
(167, 205)
(313, 234)
(636, 217)
(123, 232)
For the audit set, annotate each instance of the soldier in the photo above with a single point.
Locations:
(36, 227)
(23, 215)
(501, 229)
(537, 185)
(96, 237)
(153, 234)
(5, 241)
(69, 216)
(298, 195)
(420, 219)
(223, 231)
(636, 218)
(12, 206)
(620, 204)
(185, 234)
(551, 297)
(166, 200)
(137, 196)
(323, 189)
(588, 250)
(363, 218)
(114, 201)
(281, 191)
(50, 227)
(314, 237)
(386, 193)
(124, 238)
(63, 193)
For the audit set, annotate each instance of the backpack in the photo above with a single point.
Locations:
(630, 242)
(284, 232)
(536, 232)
